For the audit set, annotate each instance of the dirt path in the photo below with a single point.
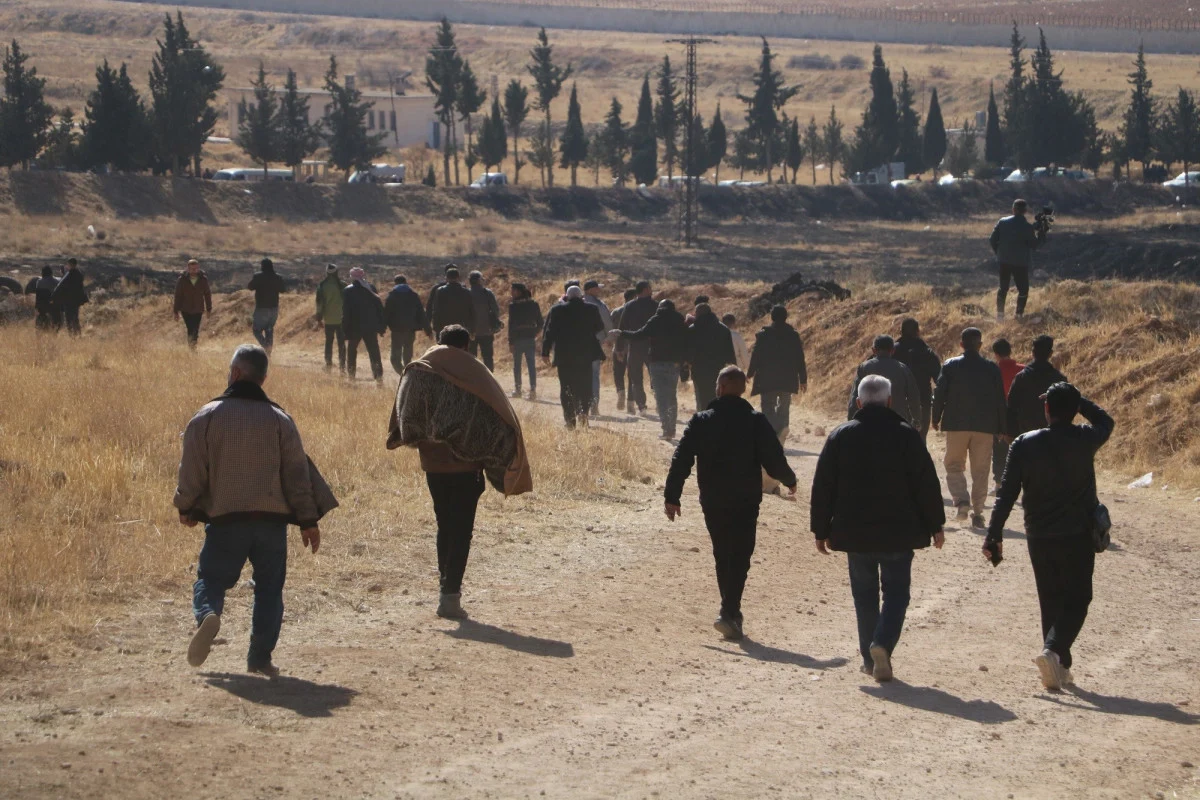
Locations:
(589, 669)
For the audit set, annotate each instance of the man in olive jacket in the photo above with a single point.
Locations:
(875, 496)
(329, 314)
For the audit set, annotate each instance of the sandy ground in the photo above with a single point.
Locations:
(589, 669)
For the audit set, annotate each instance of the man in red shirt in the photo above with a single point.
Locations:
(1009, 368)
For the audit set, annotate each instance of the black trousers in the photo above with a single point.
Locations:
(71, 314)
(619, 367)
(1018, 274)
(335, 332)
(636, 374)
(402, 349)
(705, 385)
(1063, 569)
(484, 348)
(926, 418)
(999, 458)
(49, 320)
(371, 342)
(192, 323)
(455, 500)
(733, 532)
(575, 390)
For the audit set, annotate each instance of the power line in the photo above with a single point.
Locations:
(690, 211)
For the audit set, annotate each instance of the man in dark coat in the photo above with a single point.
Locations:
(1013, 240)
(362, 321)
(452, 304)
(487, 321)
(635, 314)
(778, 369)
(968, 404)
(731, 444)
(1026, 408)
(875, 496)
(49, 318)
(571, 329)
(405, 316)
(1054, 467)
(432, 296)
(710, 349)
(905, 392)
(667, 333)
(925, 365)
(620, 360)
(525, 322)
(70, 295)
(267, 286)
(193, 299)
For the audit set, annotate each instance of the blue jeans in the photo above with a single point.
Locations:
(264, 326)
(226, 549)
(664, 383)
(875, 625)
(527, 349)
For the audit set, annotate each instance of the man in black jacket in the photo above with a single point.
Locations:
(778, 369)
(925, 365)
(730, 443)
(1013, 240)
(405, 316)
(875, 496)
(969, 405)
(49, 318)
(634, 315)
(524, 324)
(620, 361)
(69, 296)
(452, 304)
(486, 320)
(1026, 408)
(266, 285)
(905, 392)
(1055, 469)
(667, 333)
(710, 349)
(429, 303)
(362, 321)
(571, 329)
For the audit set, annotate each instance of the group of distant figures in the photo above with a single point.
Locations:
(58, 298)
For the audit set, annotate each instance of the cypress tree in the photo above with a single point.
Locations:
(574, 144)
(443, 66)
(1015, 113)
(814, 145)
(184, 82)
(835, 144)
(993, 141)
(1179, 136)
(116, 125)
(493, 138)
(763, 107)
(718, 143)
(910, 148)
(516, 110)
(298, 138)
(470, 99)
(795, 149)
(699, 162)
(878, 136)
(1137, 128)
(548, 80)
(933, 148)
(258, 132)
(25, 116)
(666, 115)
(350, 146)
(614, 141)
(643, 138)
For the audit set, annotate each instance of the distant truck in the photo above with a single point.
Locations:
(490, 179)
(380, 173)
(253, 174)
(882, 175)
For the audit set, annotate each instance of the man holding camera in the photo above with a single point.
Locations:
(1013, 241)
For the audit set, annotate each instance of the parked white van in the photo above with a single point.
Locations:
(253, 174)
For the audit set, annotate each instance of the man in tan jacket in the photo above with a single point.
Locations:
(244, 473)
(454, 412)
(193, 299)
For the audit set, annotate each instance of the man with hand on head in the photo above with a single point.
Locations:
(245, 474)
(731, 444)
(875, 496)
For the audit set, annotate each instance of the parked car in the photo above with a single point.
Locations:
(950, 180)
(1182, 180)
(490, 179)
(667, 183)
(1041, 173)
(253, 174)
(904, 182)
(384, 174)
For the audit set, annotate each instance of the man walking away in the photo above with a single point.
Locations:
(70, 295)
(741, 350)
(452, 304)
(620, 352)
(779, 371)
(1026, 407)
(362, 321)
(454, 412)
(667, 333)
(591, 296)
(432, 297)
(571, 329)
(925, 365)
(710, 350)
(486, 321)
(968, 404)
(329, 314)
(875, 496)
(1013, 241)
(636, 314)
(244, 473)
(524, 324)
(731, 444)
(266, 286)
(1009, 368)
(905, 393)
(49, 318)
(405, 316)
(1055, 469)
(193, 299)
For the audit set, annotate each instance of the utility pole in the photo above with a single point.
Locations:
(689, 215)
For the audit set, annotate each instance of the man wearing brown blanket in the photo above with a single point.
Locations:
(454, 412)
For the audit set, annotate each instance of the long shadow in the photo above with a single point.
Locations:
(924, 698)
(306, 698)
(774, 655)
(1124, 706)
(490, 634)
(1009, 533)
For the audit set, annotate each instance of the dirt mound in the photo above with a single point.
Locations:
(792, 288)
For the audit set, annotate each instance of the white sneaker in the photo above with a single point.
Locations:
(1067, 678)
(1051, 669)
(883, 664)
(202, 640)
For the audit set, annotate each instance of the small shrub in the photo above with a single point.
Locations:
(811, 61)
(939, 72)
(851, 61)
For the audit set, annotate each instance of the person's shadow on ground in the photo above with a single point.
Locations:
(748, 648)
(306, 698)
(490, 634)
(924, 698)
(1124, 706)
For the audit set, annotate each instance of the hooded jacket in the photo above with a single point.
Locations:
(710, 346)
(193, 298)
(329, 299)
(777, 363)
(267, 286)
(43, 289)
(923, 362)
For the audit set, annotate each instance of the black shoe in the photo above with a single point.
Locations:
(267, 669)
